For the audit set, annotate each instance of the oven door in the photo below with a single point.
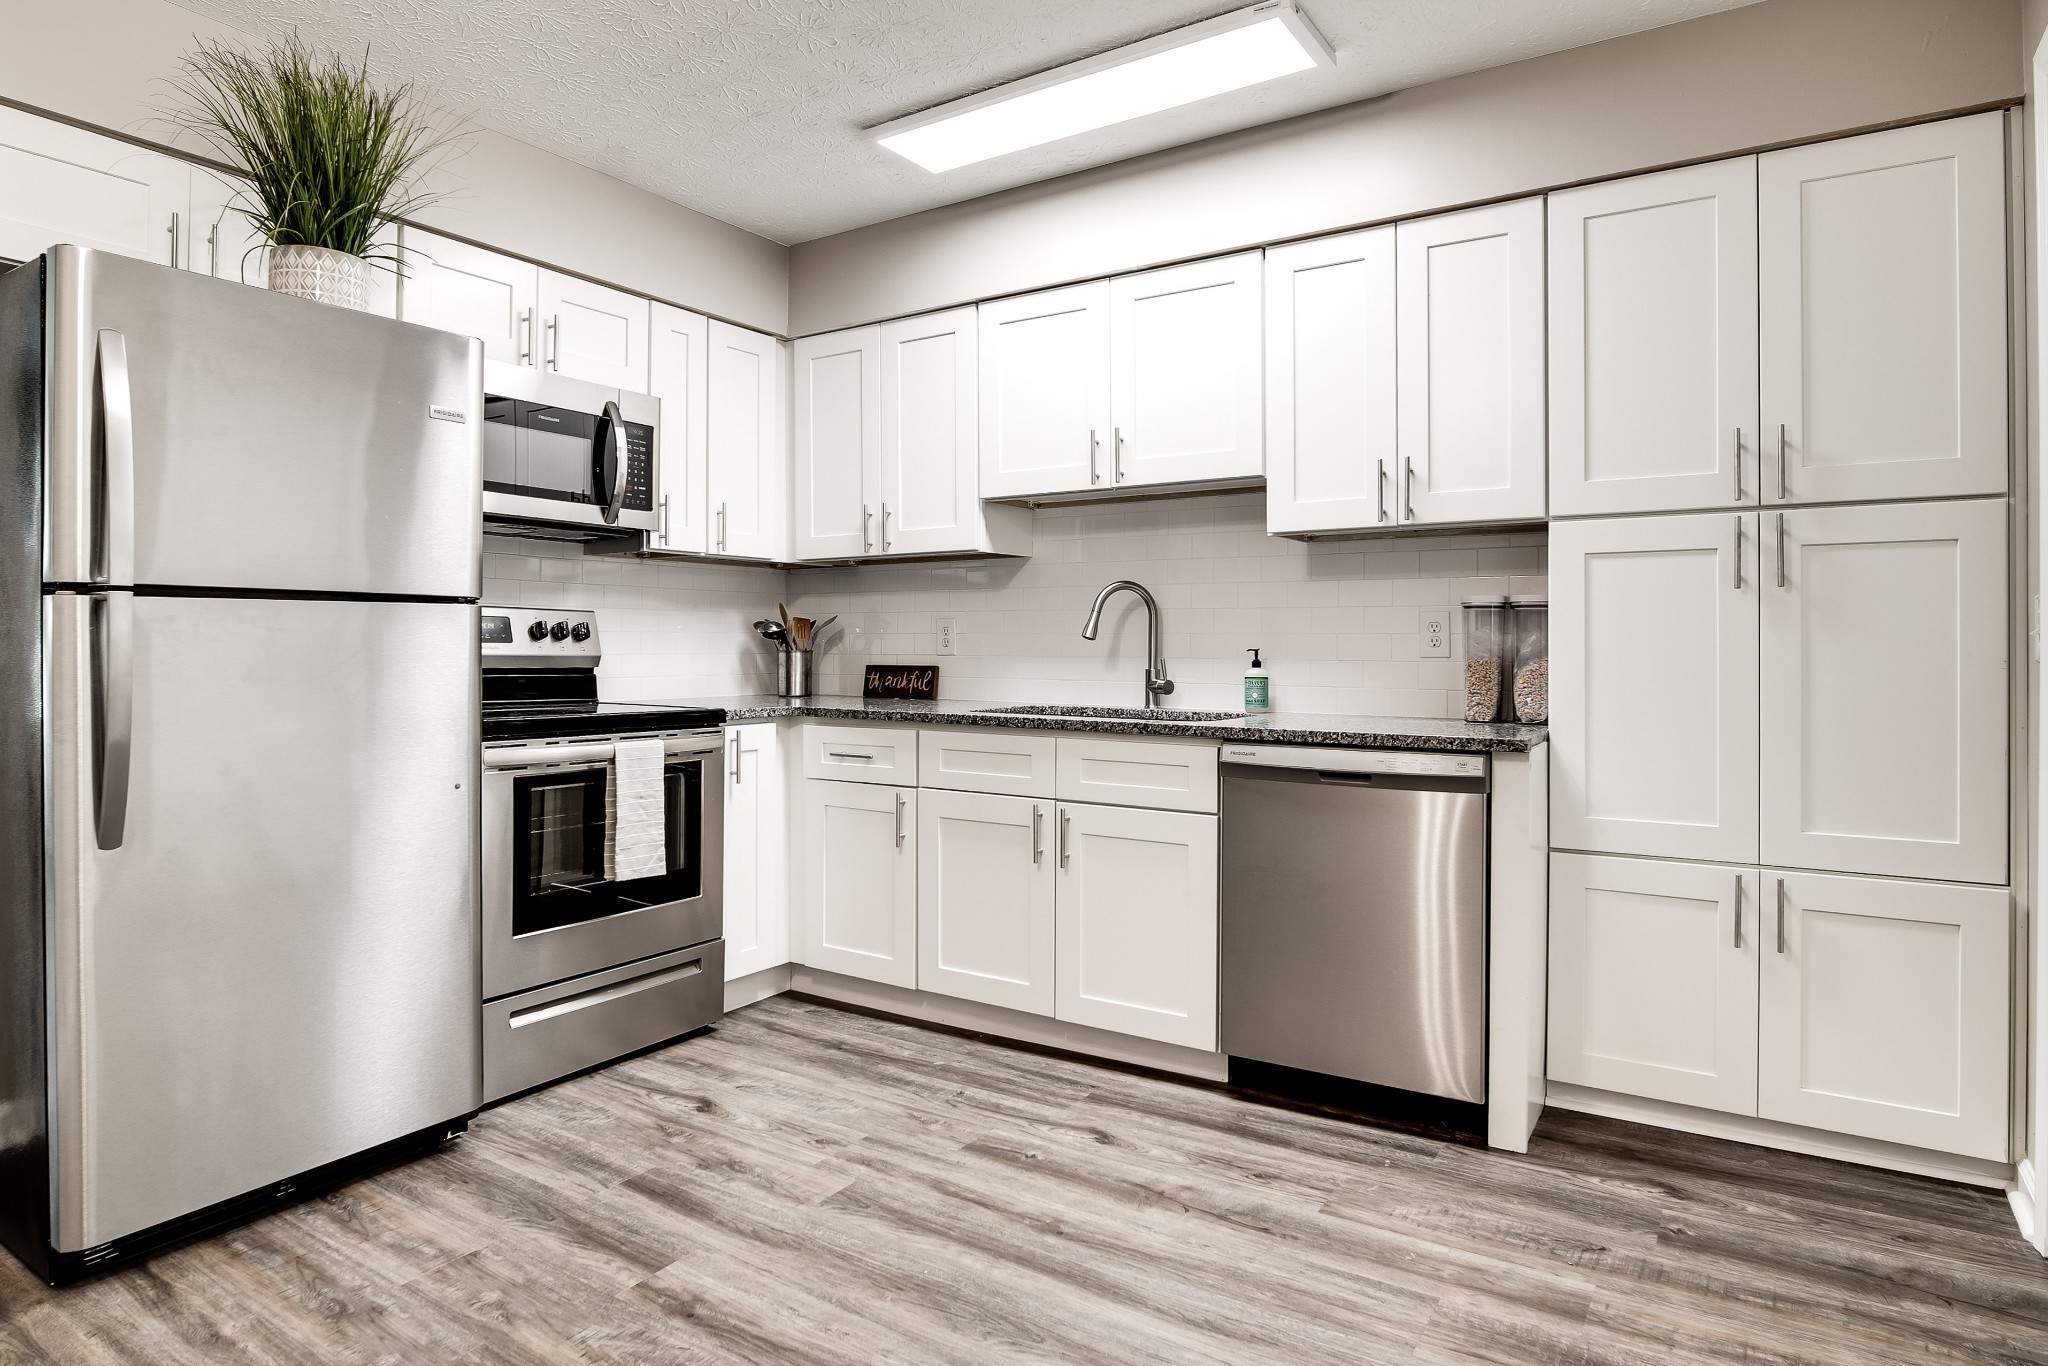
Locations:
(563, 451)
(549, 912)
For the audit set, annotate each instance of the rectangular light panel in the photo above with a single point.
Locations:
(1229, 52)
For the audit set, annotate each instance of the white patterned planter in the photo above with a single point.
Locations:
(321, 274)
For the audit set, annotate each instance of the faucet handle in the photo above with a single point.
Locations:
(1158, 684)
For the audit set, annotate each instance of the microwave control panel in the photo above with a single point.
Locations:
(639, 449)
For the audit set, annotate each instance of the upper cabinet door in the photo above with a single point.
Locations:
(1884, 690)
(927, 497)
(1045, 392)
(1330, 340)
(679, 374)
(63, 184)
(838, 446)
(1653, 979)
(1471, 360)
(1884, 314)
(747, 471)
(1885, 1010)
(1653, 342)
(1653, 646)
(460, 288)
(1185, 373)
(594, 333)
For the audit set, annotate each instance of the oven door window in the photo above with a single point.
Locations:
(558, 849)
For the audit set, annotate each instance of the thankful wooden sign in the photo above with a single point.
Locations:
(904, 682)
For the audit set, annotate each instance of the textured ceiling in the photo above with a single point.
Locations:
(752, 110)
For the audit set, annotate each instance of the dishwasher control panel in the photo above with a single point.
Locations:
(1413, 763)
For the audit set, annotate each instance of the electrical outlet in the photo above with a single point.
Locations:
(1436, 633)
(945, 628)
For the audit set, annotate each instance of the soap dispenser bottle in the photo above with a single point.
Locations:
(1258, 685)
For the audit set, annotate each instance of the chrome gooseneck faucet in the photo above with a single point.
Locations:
(1157, 684)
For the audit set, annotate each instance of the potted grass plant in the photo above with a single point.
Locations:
(330, 156)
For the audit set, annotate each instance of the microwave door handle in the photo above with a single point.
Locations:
(117, 469)
(609, 462)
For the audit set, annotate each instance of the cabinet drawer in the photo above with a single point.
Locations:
(862, 754)
(1160, 774)
(537, 1036)
(1011, 763)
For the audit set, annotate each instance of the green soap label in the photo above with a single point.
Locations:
(1255, 693)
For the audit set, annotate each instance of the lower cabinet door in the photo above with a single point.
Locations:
(1886, 1010)
(756, 852)
(859, 865)
(1653, 979)
(985, 898)
(1137, 922)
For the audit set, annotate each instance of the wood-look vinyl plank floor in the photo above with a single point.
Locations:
(812, 1185)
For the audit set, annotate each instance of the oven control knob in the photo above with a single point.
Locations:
(580, 631)
(561, 631)
(537, 631)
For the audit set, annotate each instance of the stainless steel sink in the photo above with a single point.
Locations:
(1166, 715)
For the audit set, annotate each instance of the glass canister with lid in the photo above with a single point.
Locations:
(1530, 688)
(1489, 650)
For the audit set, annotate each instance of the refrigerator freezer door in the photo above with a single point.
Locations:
(275, 443)
(277, 966)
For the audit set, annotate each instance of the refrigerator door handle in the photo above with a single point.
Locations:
(113, 706)
(610, 468)
(116, 560)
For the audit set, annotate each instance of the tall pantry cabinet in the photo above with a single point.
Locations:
(1792, 720)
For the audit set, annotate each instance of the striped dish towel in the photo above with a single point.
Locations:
(636, 812)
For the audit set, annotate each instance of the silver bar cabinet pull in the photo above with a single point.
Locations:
(1781, 462)
(526, 336)
(1738, 911)
(1066, 836)
(174, 239)
(736, 759)
(1094, 445)
(900, 804)
(1037, 836)
(1382, 491)
(554, 341)
(1408, 464)
(1117, 440)
(885, 526)
(721, 526)
(1738, 550)
(1781, 915)
(1781, 550)
(866, 519)
(1738, 464)
(213, 250)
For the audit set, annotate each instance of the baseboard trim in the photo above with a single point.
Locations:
(756, 986)
(976, 1018)
(2025, 1201)
(1768, 1133)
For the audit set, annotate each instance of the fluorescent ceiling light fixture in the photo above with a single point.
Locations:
(1219, 55)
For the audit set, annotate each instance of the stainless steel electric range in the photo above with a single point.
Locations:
(580, 968)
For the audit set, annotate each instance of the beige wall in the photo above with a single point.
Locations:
(1780, 71)
(104, 63)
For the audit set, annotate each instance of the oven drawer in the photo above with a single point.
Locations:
(862, 754)
(538, 1036)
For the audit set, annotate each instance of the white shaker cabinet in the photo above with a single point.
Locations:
(1653, 342)
(926, 471)
(1885, 1010)
(1653, 686)
(746, 464)
(593, 332)
(1044, 391)
(679, 374)
(1883, 314)
(985, 898)
(1470, 358)
(1136, 922)
(857, 871)
(1653, 979)
(756, 851)
(63, 184)
(1330, 344)
(468, 290)
(1884, 690)
(838, 443)
(1185, 381)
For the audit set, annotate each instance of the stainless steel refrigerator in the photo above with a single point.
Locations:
(239, 541)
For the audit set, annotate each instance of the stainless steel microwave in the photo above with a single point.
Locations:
(565, 453)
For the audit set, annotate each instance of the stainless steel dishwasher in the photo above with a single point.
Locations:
(1354, 914)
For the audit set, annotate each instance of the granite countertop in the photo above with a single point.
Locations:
(1278, 727)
